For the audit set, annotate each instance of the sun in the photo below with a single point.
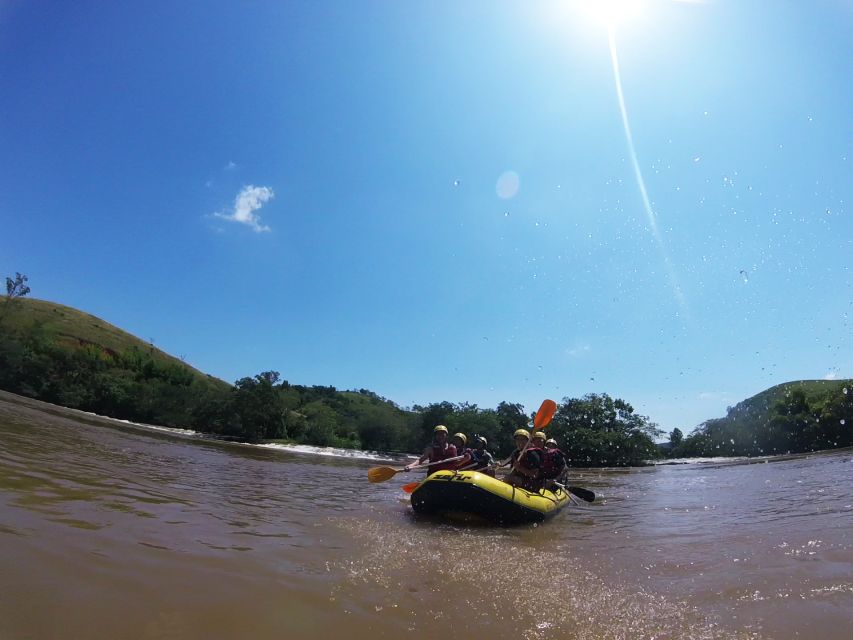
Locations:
(611, 12)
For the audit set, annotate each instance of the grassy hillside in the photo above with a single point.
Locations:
(75, 330)
(794, 417)
(814, 390)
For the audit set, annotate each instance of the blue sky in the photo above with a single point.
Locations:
(437, 201)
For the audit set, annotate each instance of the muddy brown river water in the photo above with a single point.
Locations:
(113, 531)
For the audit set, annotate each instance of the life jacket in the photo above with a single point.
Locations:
(437, 453)
(553, 461)
(532, 458)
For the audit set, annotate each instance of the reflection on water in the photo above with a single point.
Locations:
(119, 532)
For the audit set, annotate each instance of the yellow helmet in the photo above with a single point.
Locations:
(440, 427)
(521, 432)
(538, 435)
(462, 437)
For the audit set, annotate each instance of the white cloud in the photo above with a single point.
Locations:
(230, 166)
(249, 200)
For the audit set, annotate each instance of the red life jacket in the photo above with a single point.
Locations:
(437, 453)
(532, 458)
(553, 461)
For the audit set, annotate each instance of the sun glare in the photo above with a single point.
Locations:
(611, 12)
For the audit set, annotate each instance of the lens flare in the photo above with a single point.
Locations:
(641, 183)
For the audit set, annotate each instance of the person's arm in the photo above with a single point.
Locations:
(509, 461)
(464, 462)
(424, 457)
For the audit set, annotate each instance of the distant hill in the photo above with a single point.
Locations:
(794, 417)
(75, 330)
(61, 355)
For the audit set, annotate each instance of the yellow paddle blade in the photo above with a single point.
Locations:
(381, 474)
(545, 413)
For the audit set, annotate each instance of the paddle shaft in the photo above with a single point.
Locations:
(428, 463)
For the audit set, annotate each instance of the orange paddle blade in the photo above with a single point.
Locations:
(545, 413)
(408, 488)
(381, 474)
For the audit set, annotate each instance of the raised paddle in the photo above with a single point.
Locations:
(546, 411)
(381, 474)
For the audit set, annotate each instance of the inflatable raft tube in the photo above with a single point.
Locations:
(474, 495)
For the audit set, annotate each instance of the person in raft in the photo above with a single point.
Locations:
(525, 469)
(482, 460)
(439, 450)
(460, 440)
(554, 467)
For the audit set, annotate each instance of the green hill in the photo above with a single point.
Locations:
(794, 417)
(73, 330)
(58, 354)
(61, 355)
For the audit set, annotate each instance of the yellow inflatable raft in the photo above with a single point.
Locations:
(474, 495)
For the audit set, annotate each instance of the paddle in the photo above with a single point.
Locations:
(381, 474)
(408, 488)
(583, 494)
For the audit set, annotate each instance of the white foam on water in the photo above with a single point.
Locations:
(719, 460)
(330, 451)
(334, 452)
(176, 430)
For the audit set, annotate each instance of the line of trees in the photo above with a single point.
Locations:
(141, 384)
(136, 385)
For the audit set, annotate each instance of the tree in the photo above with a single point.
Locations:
(598, 430)
(675, 437)
(16, 288)
(259, 407)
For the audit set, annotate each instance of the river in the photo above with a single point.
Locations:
(108, 530)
